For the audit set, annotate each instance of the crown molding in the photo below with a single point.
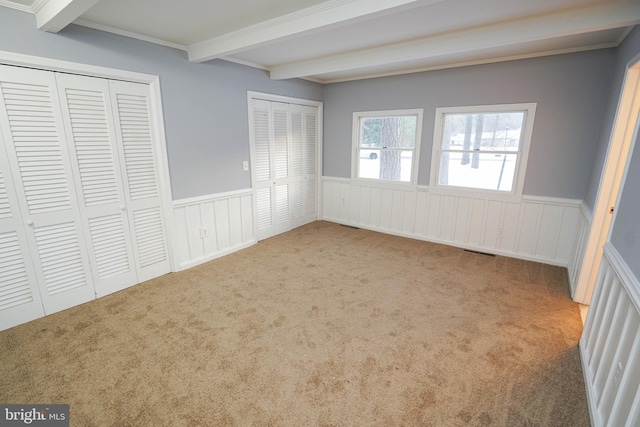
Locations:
(37, 5)
(129, 34)
(16, 6)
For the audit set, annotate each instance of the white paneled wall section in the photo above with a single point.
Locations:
(610, 345)
(535, 228)
(580, 244)
(209, 227)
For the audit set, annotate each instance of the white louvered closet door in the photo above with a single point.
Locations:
(296, 166)
(270, 135)
(39, 160)
(311, 182)
(261, 129)
(134, 132)
(88, 120)
(281, 167)
(19, 294)
(284, 140)
(304, 164)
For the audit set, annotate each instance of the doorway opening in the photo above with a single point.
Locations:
(624, 127)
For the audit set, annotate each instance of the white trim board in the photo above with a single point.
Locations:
(283, 98)
(50, 64)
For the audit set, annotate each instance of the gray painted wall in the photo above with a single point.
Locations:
(571, 92)
(204, 105)
(625, 52)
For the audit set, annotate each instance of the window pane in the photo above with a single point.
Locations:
(483, 131)
(388, 132)
(390, 165)
(475, 170)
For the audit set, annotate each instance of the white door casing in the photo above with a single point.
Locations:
(625, 124)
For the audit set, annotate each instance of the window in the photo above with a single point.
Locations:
(386, 145)
(482, 148)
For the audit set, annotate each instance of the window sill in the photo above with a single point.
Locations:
(401, 185)
(476, 193)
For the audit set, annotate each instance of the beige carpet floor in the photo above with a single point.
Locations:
(325, 325)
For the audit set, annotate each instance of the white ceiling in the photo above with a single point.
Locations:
(337, 40)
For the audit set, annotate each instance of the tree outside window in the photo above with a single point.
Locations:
(482, 148)
(386, 144)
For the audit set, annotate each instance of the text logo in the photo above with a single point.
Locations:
(34, 415)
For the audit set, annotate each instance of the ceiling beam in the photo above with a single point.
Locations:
(54, 15)
(309, 19)
(595, 18)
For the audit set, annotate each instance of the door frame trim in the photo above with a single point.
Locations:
(623, 131)
(156, 115)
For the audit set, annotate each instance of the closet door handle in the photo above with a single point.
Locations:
(30, 223)
(123, 208)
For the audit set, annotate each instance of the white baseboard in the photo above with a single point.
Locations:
(210, 257)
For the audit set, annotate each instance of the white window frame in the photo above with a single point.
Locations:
(355, 154)
(522, 153)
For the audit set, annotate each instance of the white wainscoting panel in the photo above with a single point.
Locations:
(212, 226)
(579, 246)
(536, 228)
(610, 345)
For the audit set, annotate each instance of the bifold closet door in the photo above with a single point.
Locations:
(109, 129)
(303, 164)
(90, 130)
(40, 166)
(270, 128)
(80, 204)
(284, 138)
(262, 133)
(134, 134)
(19, 294)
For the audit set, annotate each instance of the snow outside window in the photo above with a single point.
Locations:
(482, 148)
(386, 145)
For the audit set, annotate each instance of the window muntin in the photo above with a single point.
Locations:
(386, 145)
(482, 148)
